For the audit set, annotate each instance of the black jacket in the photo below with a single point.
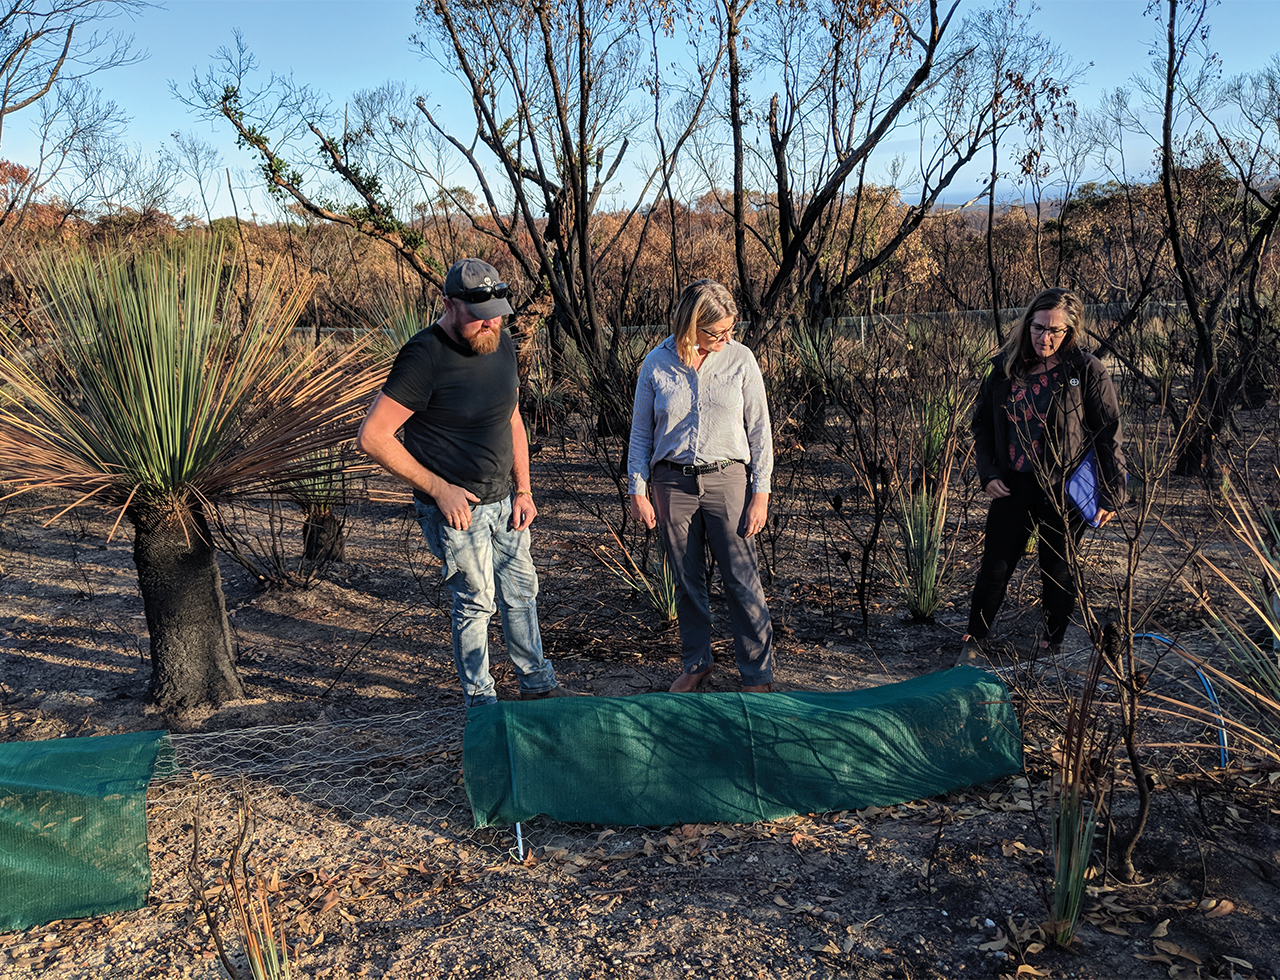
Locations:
(1084, 414)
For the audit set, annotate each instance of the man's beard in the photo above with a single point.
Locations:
(486, 341)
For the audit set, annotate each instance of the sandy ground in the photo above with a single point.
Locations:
(348, 753)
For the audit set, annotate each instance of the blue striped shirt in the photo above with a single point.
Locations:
(686, 416)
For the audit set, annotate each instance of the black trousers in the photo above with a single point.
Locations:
(1010, 522)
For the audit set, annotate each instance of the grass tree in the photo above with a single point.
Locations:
(139, 395)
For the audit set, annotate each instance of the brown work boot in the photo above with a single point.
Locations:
(687, 682)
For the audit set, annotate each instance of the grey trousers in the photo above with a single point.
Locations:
(696, 511)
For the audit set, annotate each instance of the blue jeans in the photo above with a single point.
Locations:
(489, 561)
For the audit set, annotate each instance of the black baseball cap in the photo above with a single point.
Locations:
(479, 285)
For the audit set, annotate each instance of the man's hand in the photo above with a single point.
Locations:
(757, 514)
(455, 505)
(523, 511)
(642, 511)
(1103, 516)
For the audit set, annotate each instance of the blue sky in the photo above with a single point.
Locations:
(340, 46)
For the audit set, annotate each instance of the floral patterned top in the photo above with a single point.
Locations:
(1027, 408)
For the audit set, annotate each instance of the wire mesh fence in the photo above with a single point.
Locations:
(407, 767)
(392, 785)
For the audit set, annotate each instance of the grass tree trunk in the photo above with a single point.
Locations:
(324, 538)
(191, 652)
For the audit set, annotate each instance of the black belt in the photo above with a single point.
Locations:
(698, 469)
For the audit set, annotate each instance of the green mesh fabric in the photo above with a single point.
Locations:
(661, 759)
(73, 826)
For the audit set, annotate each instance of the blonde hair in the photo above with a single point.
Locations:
(701, 304)
(1018, 352)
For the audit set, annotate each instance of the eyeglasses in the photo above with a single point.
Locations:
(716, 337)
(478, 294)
(1046, 332)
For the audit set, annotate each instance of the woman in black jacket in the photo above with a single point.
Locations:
(1044, 405)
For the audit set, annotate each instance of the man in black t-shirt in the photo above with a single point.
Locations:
(454, 389)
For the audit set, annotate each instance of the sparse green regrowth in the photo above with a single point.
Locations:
(655, 580)
(1245, 669)
(922, 524)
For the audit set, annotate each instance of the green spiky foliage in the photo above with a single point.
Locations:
(922, 502)
(323, 534)
(397, 316)
(922, 522)
(1244, 666)
(1077, 803)
(139, 395)
(657, 585)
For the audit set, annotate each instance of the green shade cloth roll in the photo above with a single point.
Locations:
(73, 826)
(662, 759)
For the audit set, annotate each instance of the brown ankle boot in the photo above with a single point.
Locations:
(687, 682)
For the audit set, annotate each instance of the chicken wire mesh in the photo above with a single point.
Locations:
(371, 774)
(407, 765)
(387, 787)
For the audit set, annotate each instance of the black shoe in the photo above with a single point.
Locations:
(556, 692)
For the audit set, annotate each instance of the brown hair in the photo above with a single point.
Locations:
(701, 304)
(1019, 355)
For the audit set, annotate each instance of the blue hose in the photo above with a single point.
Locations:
(1208, 688)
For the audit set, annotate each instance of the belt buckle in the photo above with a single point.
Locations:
(689, 470)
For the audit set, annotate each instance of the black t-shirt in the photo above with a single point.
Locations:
(462, 404)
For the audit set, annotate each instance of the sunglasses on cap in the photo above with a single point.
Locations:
(479, 294)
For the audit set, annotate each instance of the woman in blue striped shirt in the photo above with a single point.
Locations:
(702, 446)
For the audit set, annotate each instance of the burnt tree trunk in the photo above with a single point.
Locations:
(323, 537)
(191, 651)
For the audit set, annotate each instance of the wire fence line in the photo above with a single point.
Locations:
(862, 325)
